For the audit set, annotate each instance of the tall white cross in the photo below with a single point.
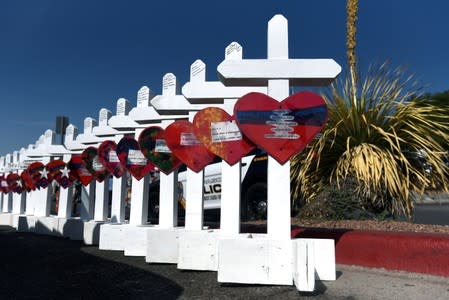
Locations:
(279, 72)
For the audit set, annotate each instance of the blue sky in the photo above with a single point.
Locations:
(74, 57)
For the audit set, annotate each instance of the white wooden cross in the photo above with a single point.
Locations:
(29, 206)
(171, 101)
(123, 124)
(145, 115)
(18, 200)
(45, 150)
(2, 172)
(87, 138)
(7, 198)
(198, 90)
(279, 72)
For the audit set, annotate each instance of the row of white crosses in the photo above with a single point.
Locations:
(272, 76)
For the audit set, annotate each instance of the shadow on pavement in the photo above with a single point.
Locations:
(35, 266)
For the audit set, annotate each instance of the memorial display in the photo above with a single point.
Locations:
(154, 147)
(78, 170)
(132, 158)
(93, 164)
(250, 107)
(219, 133)
(107, 156)
(58, 171)
(284, 128)
(181, 140)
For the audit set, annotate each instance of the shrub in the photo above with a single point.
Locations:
(375, 139)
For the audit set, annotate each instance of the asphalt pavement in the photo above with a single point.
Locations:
(44, 267)
(432, 209)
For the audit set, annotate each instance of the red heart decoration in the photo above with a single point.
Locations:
(154, 148)
(27, 180)
(108, 157)
(219, 133)
(14, 183)
(183, 143)
(284, 128)
(128, 151)
(93, 164)
(3, 184)
(78, 171)
(39, 174)
(59, 171)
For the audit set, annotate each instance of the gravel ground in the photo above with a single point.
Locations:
(43, 267)
(370, 225)
(374, 225)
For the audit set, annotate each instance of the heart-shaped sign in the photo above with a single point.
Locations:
(108, 157)
(27, 180)
(183, 143)
(284, 128)
(3, 184)
(78, 170)
(219, 133)
(153, 146)
(59, 171)
(14, 183)
(93, 164)
(128, 151)
(39, 174)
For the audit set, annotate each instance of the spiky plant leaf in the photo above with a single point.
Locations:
(375, 141)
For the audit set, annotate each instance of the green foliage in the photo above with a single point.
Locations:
(374, 141)
(438, 99)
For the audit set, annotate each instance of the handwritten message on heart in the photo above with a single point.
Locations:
(132, 158)
(154, 147)
(183, 143)
(108, 157)
(93, 164)
(284, 128)
(219, 133)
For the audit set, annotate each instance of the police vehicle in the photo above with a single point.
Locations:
(253, 204)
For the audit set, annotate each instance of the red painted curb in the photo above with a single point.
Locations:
(411, 252)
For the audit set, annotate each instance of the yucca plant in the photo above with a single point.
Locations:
(379, 141)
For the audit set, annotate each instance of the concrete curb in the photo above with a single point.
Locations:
(411, 252)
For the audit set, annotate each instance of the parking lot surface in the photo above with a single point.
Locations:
(43, 267)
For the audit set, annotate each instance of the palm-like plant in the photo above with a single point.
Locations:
(374, 142)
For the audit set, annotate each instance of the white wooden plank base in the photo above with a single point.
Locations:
(16, 220)
(304, 265)
(91, 232)
(198, 250)
(24, 223)
(47, 226)
(163, 244)
(112, 236)
(136, 240)
(254, 259)
(72, 228)
(6, 219)
(324, 255)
